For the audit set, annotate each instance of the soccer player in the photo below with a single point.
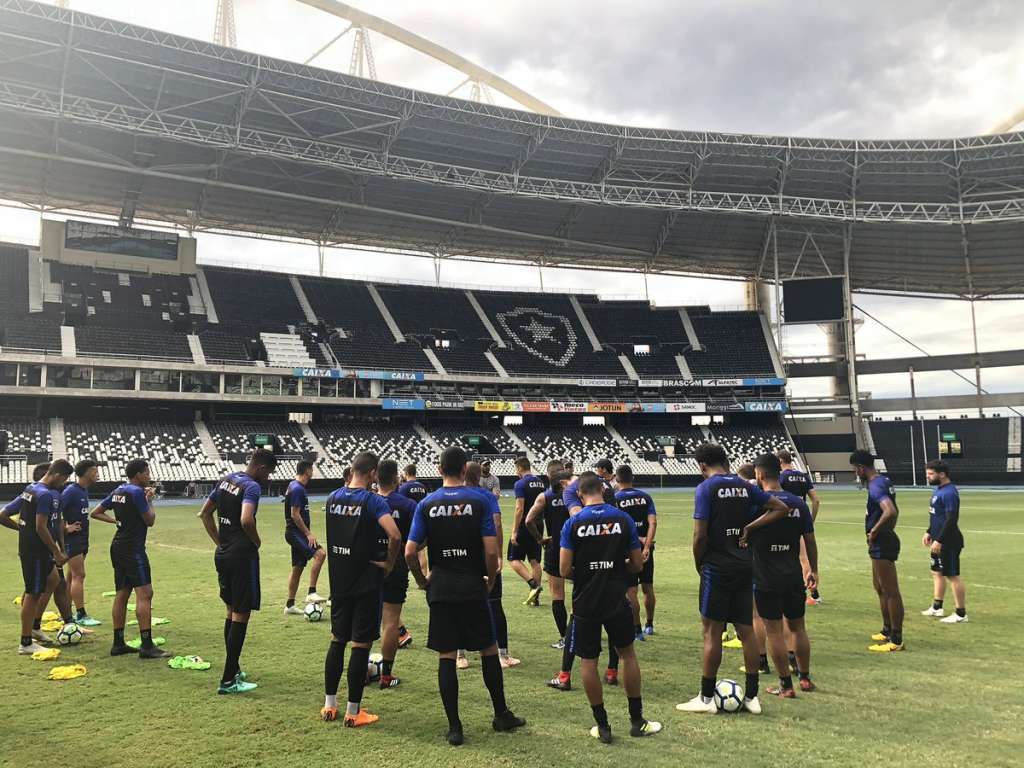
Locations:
(883, 549)
(357, 567)
(39, 550)
(456, 524)
(235, 499)
(522, 546)
(800, 484)
(599, 545)
(134, 515)
(779, 579)
(603, 469)
(945, 542)
(300, 538)
(549, 510)
(393, 633)
(727, 510)
(410, 486)
(74, 501)
(640, 507)
(488, 481)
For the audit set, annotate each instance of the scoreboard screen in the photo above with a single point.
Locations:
(123, 241)
(813, 300)
(950, 446)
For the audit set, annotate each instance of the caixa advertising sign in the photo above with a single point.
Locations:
(765, 406)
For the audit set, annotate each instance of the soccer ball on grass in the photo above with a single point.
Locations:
(728, 696)
(70, 634)
(314, 611)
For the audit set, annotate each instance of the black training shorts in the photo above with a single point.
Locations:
(646, 576)
(239, 581)
(585, 634)
(76, 544)
(36, 571)
(302, 553)
(773, 604)
(886, 547)
(726, 596)
(356, 619)
(396, 584)
(467, 624)
(130, 570)
(947, 562)
(526, 550)
(552, 553)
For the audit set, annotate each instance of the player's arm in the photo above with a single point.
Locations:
(491, 557)
(815, 504)
(571, 499)
(565, 562)
(648, 542)
(206, 515)
(417, 540)
(889, 513)
(700, 542)
(248, 520)
(773, 510)
(43, 531)
(952, 521)
(10, 510)
(533, 516)
(99, 512)
(517, 519)
(811, 545)
(635, 561)
(149, 515)
(296, 515)
(67, 505)
(387, 522)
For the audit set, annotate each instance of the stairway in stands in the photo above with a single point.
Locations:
(286, 350)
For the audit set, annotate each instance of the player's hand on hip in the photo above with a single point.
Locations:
(743, 537)
(926, 540)
(311, 541)
(936, 548)
(384, 565)
(59, 559)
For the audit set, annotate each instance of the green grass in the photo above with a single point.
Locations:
(953, 698)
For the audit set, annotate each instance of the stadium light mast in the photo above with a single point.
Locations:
(224, 26)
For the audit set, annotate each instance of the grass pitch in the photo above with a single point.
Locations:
(953, 698)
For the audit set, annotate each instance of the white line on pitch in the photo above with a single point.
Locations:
(963, 530)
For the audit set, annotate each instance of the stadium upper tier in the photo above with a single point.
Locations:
(119, 119)
(259, 318)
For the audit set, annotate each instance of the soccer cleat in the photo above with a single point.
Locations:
(644, 728)
(405, 640)
(611, 677)
(639, 637)
(753, 706)
(41, 637)
(560, 645)
(813, 600)
(533, 599)
(507, 662)
(602, 733)
(313, 597)
(782, 693)
(389, 681)
(87, 621)
(462, 662)
(954, 618)
(698, 704)
(455, 737)
(733, 643)
(806, 685)
(887, 647)
(293, 610)
(561, 682)
(235, 686)
(328, 714)
(936, 612)
(122, 650)
(506, 721)
(649, 630)
(28, 650)
(880, 637)
(361, 718)
(764, 669)
(153, 653)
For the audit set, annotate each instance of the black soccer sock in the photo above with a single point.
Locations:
(385, 667)
(936, 605)
(613, 658)
(750, 690)
(236, 639)
(227, 631)
(82, 613)
(333, 665)
(764, 660)
(887, 631)
(532, 583)
(637, 629)
(289, 603)
(896, 637)
(37, 624)
(707, 687)
(66, 617)
(147, 638)
(804, 675)
(787, 682)
(448, 685)
(961, 612)
(358, 658)
(118, 637)
(561, 617)
(26, 640)
(500, 623)
(567, 654)
(402, 631)
(636, 709)
(495, 682)
(792, 660)
(600, 715)
(311, 590)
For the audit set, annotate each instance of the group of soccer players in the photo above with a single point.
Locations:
(753, 548)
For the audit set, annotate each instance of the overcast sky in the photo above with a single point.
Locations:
(859, 69)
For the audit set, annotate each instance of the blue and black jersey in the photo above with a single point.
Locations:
(353, 541)
(295, 496)
(230, 493)
(37, 499)
(638, 505)
(879, 489)
(129, 503)
(944, 517)
(600, 538)
(796, 482)
(414, 489)
(728, 503)
(528, 488)
(776, 547)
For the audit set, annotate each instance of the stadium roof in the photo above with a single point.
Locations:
(104, 116)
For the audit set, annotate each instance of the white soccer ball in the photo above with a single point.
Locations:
(314, 611)
(70, 634)
(373, 667)
(728, 696)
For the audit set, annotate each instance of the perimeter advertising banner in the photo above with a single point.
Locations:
(345, 373)
(402, 404)
(444, 405)
(500, 406)
(687, 383)
(570, 407)
(766, 406)
(607, 408)
(685, 407)
(598, 382)
(536, 406)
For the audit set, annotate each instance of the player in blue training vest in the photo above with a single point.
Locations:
(549, 514)
(298, 533)
(456, 525)
(727, 509)
(132, 505)
(640, 506)
(523, 549)
(235, 500)
(410, 486)
(799, 483)
(74, 501)
(599, 551)
(945, 541)
(883, 549)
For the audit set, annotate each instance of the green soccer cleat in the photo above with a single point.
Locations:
(87, 621)
(236, 686)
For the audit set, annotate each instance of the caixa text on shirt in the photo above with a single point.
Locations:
(730, 492)
(451, 510)
(346, 510)
(599, 529)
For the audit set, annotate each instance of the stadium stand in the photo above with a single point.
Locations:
(343, 441)
(584, 445)
(27, 443)
(625, 325)
(907, 445)
(20, 329)
(744, 444)
(732, 345)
